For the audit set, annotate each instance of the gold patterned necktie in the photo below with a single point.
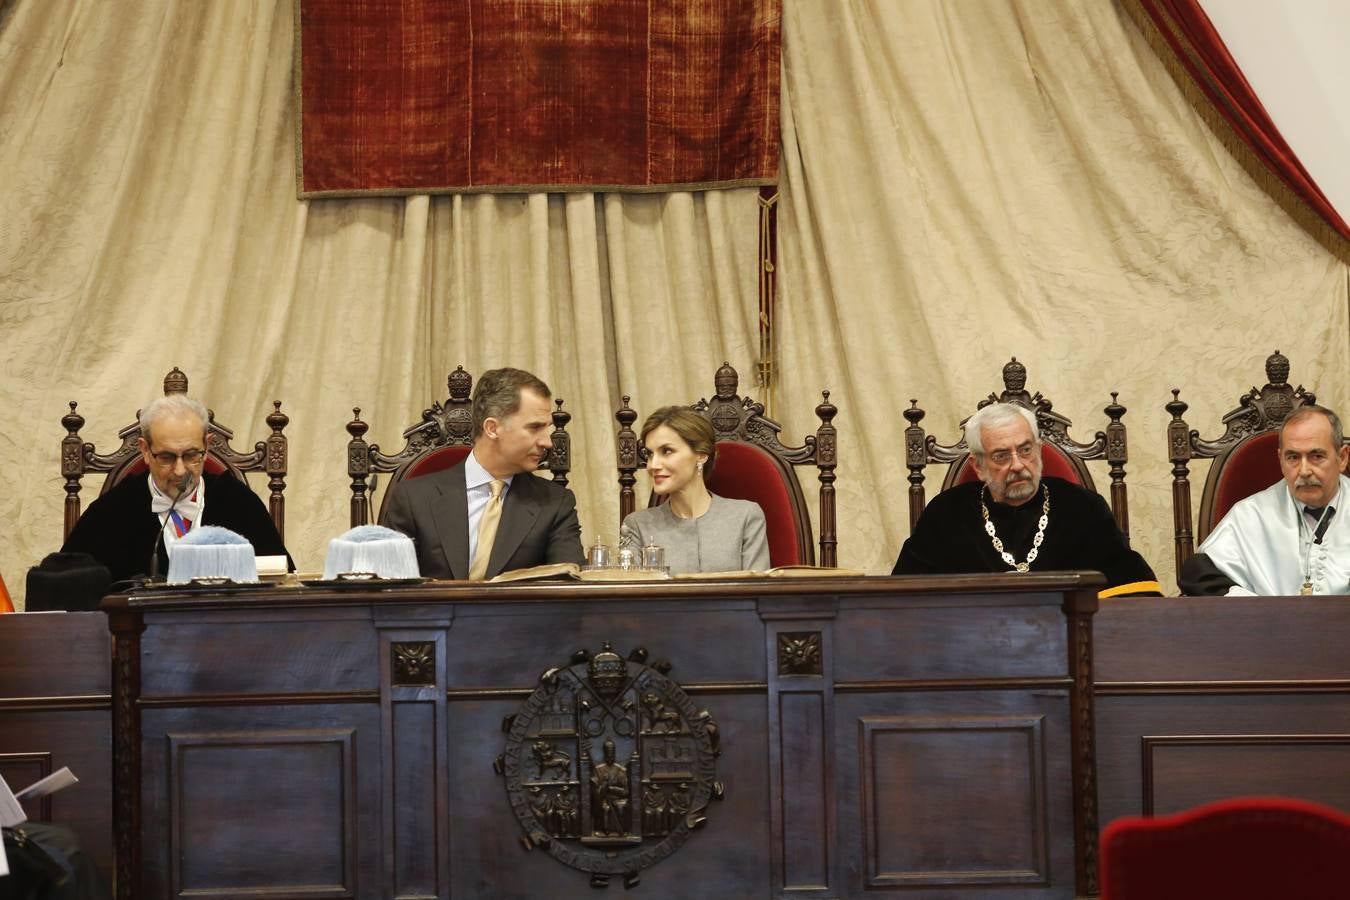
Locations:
(487, 532)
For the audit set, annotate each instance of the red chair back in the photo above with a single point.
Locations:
(747, 472)
(1054, 462)
(136, 466)
(1253, 848)
(1250, 466)
(437, 460)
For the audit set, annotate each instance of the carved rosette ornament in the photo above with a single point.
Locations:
(799, 653)
(414, 663)
(608, 765)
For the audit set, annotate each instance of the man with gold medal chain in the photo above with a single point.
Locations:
(1014, 520)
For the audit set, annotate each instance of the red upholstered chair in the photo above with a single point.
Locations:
(754, 464)
(1061, 455)
(1246, 455)
(1258, 848)
(440, 440)
(268, 456)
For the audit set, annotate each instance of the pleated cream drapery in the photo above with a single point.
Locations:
(962, 182)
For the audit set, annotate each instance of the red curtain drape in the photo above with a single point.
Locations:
(1198, 49)
(429, 96)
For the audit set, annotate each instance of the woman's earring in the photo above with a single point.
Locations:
(700, 467)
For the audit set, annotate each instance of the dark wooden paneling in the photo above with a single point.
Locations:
(51, 655)
(1182, 772)
(271, 802)
(954, 637)
(954, 801)
(1198, 699)
(1228, 640)
(55, 710)
(268, 813)
(957, 792)
(240, 676)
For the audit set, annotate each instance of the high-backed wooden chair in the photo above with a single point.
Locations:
(267, 456)
(439, 440)
(1248, 848)
(754, 464)
(1246, 455)
(1061, 455)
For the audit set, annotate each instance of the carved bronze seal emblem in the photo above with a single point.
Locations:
(608, 765)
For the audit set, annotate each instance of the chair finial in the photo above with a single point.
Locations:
(726, 381)
(1277, 368)
(460, 383)
(175, 382)
(1014, 376)
(357, 428)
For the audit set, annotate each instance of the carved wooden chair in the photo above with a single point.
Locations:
(1247, 848)
(1246, 455)
(754, 464)
(268, 456)
(1061, 455)
(440, 440)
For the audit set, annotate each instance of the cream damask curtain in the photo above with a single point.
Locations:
(962, 182)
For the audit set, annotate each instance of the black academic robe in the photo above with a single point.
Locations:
(1081, 534)
(119, 530)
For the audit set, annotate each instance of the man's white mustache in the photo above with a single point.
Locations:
(1309, 481)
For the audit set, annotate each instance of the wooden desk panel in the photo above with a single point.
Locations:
(55, 671)
(859, 720)
(1200, 698)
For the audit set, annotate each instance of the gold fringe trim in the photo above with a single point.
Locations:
(1134, 587)
(768, 295)
(1274, 186)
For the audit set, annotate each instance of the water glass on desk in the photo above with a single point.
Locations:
(654, 557)
(600, 556)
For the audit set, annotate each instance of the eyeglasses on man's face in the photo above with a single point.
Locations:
(190, 457)
(1023, 452)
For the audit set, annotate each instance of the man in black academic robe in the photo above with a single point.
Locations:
(120, 529)
(1076, 531)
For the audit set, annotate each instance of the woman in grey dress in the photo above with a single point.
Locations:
(700, 531)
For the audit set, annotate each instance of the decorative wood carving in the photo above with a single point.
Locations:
(799, 653)
(268, 457)
(126, 628)
(1078, 611)
(737, 418)
(1111, 445)
(448, 424)
(609, 766)
(413, 662)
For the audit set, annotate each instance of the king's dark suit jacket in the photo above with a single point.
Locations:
(539, 524)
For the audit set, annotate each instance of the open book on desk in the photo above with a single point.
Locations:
(579, 573)
(777, 572)
(574, 572)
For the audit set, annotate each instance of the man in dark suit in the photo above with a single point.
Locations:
(488, 514)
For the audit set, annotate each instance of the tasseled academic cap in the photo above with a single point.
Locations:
(371, 549)
(209, 551)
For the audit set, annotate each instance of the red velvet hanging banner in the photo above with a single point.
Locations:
(438, 96)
